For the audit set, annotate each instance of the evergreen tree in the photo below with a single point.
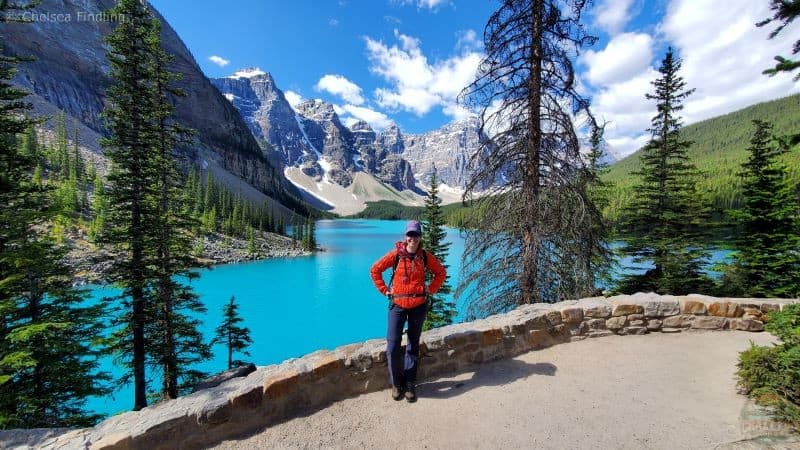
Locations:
(177, 341)
(30, 143)
(99, 209)
(785, 11)
(307, 234)
(528, 248)
(662, 224)
(441, 312)
(231, 334)
(78, 165)
(251, 240)
(209, 193)
(47, 365)
(51, 346)
(766, 263)
(37, 176)
(599, 191)
(62, 159)
(131, 119)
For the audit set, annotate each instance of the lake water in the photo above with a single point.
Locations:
(295, 306)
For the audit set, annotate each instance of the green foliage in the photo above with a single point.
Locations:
(48, 365)
(766, 263)
(785, 11)
(718, 149)
(663, 221)
(389, 210)
(441, 312)
(231, 334)
(771, 375)
(100, 209)
(217, 209)
(309, 238)
(456, 215)
(149, 221)
(50, 348)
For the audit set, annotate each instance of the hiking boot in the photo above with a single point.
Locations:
(411, 393)
(397, 393)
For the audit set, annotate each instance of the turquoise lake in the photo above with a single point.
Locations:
(295, 306)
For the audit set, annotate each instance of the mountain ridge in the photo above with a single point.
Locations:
(325, 150)
(69, 72)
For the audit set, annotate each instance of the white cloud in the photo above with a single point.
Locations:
(724, 54)
(293, 98)
(218, 60)
(377, 120)
(456, 111)
(430, 4)
(612, 15)
(626, 55)
(338, 110)
(626, 111)
(468, 40)
(341, 86)
(623, 146)
(333, 22)
(416, 85)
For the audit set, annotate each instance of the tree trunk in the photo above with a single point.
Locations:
(531, 183)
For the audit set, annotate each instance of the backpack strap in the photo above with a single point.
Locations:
(397, 261)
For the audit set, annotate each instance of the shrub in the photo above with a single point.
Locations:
(771, 375)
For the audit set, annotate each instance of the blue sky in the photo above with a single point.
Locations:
(406, 60)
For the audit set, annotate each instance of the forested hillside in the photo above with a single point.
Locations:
(718, 150)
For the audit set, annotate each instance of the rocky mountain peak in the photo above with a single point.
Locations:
(317, 110)
(361, 126)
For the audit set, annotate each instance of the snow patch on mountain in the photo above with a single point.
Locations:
(250, 72)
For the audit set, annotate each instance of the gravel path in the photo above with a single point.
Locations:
(661, 390)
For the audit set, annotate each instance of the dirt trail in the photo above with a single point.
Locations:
(661, 390)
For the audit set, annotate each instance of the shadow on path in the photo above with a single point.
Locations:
(496, 374)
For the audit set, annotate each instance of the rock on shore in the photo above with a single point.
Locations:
(90, 261)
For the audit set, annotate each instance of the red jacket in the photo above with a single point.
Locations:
(408, 287)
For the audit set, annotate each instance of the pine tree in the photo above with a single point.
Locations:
(209, 193)
(62, 159)
(78, 165)
(231, 334)
(599, 191)
(177, 338)
(131, 119)
(50, 346)
(47, 364)
(785, 11)
(99, 209)
(251, 241)
(662, 224)
(528, 249)
(766, 263)
(307, 233)
(441, 312)
(30, 143)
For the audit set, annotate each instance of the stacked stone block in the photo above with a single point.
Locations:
(297, 386)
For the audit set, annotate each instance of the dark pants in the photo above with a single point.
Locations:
(401, 372)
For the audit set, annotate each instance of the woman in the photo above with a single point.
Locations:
(407, 294)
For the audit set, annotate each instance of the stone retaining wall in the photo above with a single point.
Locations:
(297, 386)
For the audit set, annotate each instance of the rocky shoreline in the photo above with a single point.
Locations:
(89, 262)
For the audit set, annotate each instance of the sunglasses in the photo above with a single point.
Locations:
(413, 235)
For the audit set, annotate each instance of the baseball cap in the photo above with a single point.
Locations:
(413, 226)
